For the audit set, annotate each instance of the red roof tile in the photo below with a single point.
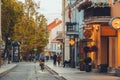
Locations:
(54, 24)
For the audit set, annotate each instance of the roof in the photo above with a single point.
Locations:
(54, 24)
(54, 40)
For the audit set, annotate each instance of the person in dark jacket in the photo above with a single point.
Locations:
(54, 59)
(58, 59)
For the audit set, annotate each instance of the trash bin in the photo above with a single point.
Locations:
(103, 68)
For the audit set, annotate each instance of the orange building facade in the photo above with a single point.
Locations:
(103, 35)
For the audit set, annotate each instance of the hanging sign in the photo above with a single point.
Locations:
(88, 34)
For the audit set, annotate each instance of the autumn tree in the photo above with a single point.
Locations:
(31, 30)
(11, 14)
(24, 24)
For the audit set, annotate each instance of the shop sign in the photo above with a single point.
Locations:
(88, 34)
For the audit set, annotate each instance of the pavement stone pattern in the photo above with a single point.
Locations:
(4, 69)
(76, 74)
(66, 73)
(54, 73)
(29, 71)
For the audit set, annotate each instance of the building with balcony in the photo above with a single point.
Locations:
(97, 29)
(72, 22)
(89, 19)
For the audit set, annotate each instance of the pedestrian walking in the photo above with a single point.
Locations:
(42, 61)
(54, 59)
(58, 59)
(42, 57)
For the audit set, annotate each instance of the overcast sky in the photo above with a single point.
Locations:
(50, 8)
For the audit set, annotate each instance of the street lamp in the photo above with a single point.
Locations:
(8, 45)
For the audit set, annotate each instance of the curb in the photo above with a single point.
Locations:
(55, 73)
(5, 72)
(51, 70)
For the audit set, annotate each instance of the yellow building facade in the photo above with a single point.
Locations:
(105, 37)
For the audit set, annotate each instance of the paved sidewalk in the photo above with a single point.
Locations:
(6, 68)
(76, 74)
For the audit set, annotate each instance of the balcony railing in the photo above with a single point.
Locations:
(98, 11)
(71, 28)
(97, 19)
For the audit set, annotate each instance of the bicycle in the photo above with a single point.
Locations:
(42, 64)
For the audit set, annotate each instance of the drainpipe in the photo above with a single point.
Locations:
(63, 23)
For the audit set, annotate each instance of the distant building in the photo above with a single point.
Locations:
(54, 45)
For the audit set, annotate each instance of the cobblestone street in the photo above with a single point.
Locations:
(29, 71)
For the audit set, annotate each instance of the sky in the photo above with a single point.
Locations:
(51, 9)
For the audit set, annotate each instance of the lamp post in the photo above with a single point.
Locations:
(72, 50)
(115, 24)
(8, 45)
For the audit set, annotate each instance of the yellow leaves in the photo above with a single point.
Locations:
(30, 34)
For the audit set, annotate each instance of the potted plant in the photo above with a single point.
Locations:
(94, 48)
(86, 49)
(88, 65)
(82, 65)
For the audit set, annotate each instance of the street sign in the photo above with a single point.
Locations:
(72, 42)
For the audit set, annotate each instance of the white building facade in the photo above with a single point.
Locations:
(54, 45)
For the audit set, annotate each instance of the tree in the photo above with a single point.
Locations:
(30, 35)
(31, 30)
(24, 24)
(11, 14)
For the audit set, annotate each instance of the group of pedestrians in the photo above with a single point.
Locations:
(56, 59)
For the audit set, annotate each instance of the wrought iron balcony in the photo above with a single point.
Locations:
(71, 28)
(97, 19)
